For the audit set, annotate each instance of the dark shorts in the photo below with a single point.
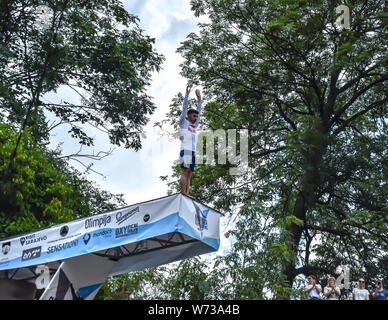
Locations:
(187, 159)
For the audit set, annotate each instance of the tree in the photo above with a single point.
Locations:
(313, 96)
(132, 286)
(93, 47)
(44, 191)
(189, 279)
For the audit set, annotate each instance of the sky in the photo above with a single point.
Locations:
(136, 174)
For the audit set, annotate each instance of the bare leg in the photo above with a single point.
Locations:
(189, 172)
(184, 181)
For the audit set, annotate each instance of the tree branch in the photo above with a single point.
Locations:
(309, 269)
(355, 116)
(339, 112)
(357, 79)
(332, 231)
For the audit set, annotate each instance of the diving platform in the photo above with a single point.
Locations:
(73, 259)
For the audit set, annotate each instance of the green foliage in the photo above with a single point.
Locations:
(190, 279)
(43, 191)
(38, 193)
(132, 286)
(312, 95)
(314, 99)
(95, 48)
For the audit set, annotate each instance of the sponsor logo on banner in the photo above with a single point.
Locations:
(86, 238)
(127, 230)
(32, 253)
(103, 233)
(62, 246)
(30, 239)
(146, 218)
(124, 215)
(6, 247)
(200, 217)
(64, 231)
(97, 221)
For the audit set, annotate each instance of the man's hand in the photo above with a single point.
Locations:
(188, 88)
(198, 93)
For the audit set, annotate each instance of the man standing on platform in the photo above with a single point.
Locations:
(188, 135)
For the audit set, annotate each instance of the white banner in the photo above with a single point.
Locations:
(143, 235)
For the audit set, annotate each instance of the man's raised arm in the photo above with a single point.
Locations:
(184, 107)
(199, 106)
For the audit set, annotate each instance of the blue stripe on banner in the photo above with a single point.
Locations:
(86, 291)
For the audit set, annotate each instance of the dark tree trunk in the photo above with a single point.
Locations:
(307, 195)
(295, 232)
